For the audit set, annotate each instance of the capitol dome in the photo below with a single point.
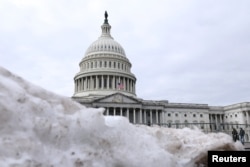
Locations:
(105, 44)
(104, 69)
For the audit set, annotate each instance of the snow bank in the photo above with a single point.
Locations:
(39, 128)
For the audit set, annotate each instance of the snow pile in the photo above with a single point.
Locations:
(39, 128)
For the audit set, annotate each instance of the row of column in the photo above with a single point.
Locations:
(217, 119)
(104, 82)
(247, 118)
(104, 64)
(137, 115)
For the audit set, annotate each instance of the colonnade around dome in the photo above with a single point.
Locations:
(104, 82)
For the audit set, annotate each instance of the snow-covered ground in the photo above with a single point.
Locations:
(41, 129)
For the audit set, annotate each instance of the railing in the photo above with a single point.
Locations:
(211, 127)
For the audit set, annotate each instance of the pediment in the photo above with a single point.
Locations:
(117, 98)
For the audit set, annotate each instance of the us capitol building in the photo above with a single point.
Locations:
(105, 80)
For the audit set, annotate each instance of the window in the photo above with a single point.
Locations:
(176, 115)
(186, 123)
(194, 115)
(169, 114)
(185, 115)
(177, 123)
(201, 115)
(202, 124)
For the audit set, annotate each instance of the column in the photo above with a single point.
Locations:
(108, 110)
(96, 81)
(89, 86)
(88, 81)
(125, 84)
(162, 117)
(113, 83)
(127, 113)
(78, 85)
(91, 82)
(131, 85)
(120, 111)
(145, 116)
(134, 116)
(221, 118)
(108, 82)
(133, 89)
(157, 122)
(140, 116)
(102, 81)
(84, 83)
(151, 117)
(248, 120)
(75, 86)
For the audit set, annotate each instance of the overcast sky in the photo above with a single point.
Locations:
(184, 51)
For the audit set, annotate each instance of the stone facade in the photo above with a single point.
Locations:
(105, 80)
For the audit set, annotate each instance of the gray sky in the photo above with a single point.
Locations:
(187, 51)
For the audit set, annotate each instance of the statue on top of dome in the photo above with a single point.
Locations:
(106, 17)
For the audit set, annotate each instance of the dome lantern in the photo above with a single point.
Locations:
(106, 27)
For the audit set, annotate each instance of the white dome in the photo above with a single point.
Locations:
(105, 44)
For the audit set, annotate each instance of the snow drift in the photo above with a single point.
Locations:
(42, 129)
